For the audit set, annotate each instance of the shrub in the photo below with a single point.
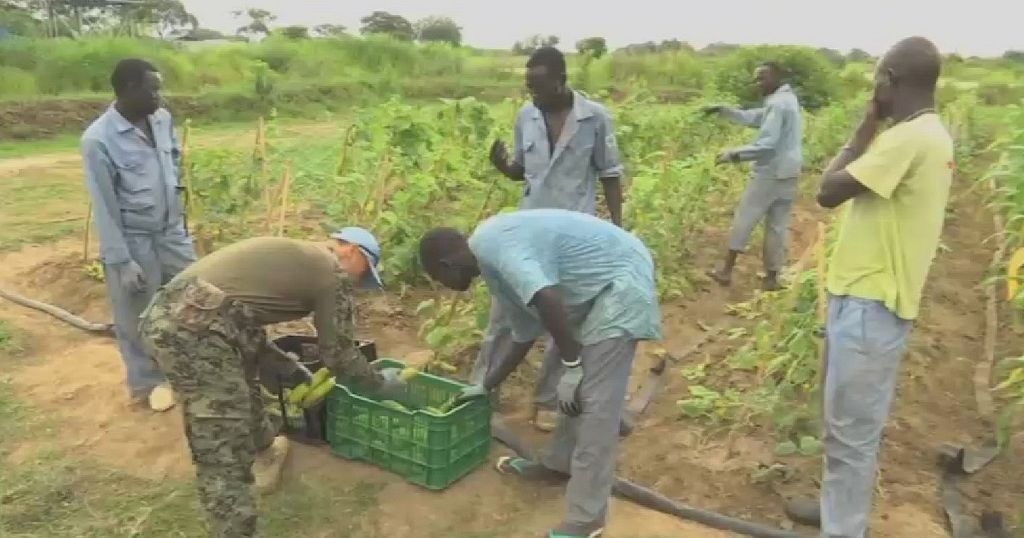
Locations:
(811, 74)
(16, 82)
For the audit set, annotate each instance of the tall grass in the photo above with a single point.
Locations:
(65, 66)
(314, 77)
(82, 66)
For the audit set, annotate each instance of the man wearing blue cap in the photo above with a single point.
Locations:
(205, 330)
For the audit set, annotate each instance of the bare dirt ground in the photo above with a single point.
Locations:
(34, 119)
(97, 420)
(77, 379)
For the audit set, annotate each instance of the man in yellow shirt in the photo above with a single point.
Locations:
(897, 184)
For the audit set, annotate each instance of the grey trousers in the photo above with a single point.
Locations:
(586, 447)
(161, 256)
(770, 200)
(865, 343)
(496, 344)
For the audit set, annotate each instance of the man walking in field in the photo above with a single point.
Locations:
(590, 285)
(132, 160)
(205, 329)
(897, 183)
(564, 144)
(777, 154)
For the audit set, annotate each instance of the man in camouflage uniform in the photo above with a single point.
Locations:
(205, 330)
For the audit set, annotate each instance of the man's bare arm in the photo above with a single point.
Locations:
(613, 197)
(837, 188)
(837, 185)
(507, 364)
(509, 167)
(555, 319)
(335, 319)
(514, 171)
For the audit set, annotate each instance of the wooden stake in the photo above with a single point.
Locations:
(792, 293)
(268, 202)
(259, 158)
(186, 172)
(285, 185)
(487, 201)
(822, 343)
(822, 273)
(382, 192)
(382, 178)
(343, 154)
(259, 152)
(983, 369)
(85, 240)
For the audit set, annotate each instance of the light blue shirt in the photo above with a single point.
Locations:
(778, 151)
(133, 185)
(566, 177)
(604, 273)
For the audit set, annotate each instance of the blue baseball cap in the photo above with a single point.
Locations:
(367, 243)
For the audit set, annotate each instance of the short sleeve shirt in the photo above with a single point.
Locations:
(605, 274)
(565, 176)
(890, 234)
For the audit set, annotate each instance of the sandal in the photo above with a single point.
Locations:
(524, 468)
(577, 531)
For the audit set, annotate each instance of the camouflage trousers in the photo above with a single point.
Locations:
(208, 347)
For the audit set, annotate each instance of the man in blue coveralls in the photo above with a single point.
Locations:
(564, 144)
(777, 154)
(590, 285)
(132, 159)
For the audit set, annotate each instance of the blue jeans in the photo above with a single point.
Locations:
(865, 343)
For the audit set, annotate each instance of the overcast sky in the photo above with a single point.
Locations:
(976, 27)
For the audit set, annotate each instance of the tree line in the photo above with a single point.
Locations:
(169, 19)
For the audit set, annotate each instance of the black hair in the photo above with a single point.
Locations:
(774, 67)
(130, 72)
(549, 57)
(917, 60)
(438, 244)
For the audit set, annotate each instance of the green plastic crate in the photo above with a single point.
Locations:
(429, 450)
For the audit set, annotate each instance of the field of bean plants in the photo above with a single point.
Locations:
(736, 426)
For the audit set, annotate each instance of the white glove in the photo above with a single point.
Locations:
(393, 388)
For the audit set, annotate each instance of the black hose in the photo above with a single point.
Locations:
(105, 329)
(655, 501)
(649, 498)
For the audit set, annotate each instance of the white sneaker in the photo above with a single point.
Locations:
(268, 465)
(161, 398)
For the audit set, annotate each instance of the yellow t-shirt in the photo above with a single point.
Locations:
(889, 235)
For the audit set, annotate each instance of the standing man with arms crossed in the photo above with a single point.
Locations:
(132, 159)
(778, 156)
(564, 144)
(591, 286)
(897, 183)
